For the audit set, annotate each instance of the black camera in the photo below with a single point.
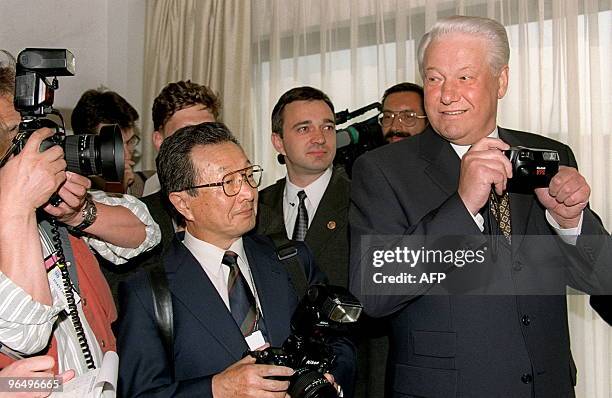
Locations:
(85, 154)
(531, 168)
(323, 312)
(358, 138)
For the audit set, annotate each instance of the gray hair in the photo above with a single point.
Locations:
(489, 29)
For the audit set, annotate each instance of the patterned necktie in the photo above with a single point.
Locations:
(241, 299)
(500, 207)
(301, 222)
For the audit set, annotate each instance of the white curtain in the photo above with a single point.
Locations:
(208, 42)
(560, 87)
(252, 51)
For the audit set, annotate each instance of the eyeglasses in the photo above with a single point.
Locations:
(407, 118)
(133, 141)
(232, 182)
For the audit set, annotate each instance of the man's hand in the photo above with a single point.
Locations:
(247, 379)
(40, 366)
(482, 166)
(73, 194)
(30, 178)
(566, 196)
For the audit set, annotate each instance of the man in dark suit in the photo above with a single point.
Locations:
(229, 292)
(438, 184)
(304, 134)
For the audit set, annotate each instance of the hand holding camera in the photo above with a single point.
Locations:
(483, 166)
(245, 378)
(31, 177)
(566, 196)
(73, 193)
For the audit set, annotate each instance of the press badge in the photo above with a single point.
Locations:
(255, 340)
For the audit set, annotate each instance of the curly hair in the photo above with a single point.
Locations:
(181, 95)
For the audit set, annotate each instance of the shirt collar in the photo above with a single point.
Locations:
(462, 149)
(210, 255)
(314, 191)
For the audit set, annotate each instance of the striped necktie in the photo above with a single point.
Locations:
(241, 299)
(301, 222)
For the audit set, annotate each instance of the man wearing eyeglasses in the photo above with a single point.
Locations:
(230, 293)
(98, 108)
(402, 112)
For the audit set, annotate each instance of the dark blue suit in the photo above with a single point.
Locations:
(206, 338)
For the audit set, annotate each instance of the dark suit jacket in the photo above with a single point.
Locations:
(327, 236)
(161, 215)
(466, 345)
(206, 338)
(603, 306)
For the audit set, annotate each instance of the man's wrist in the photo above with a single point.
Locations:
(89, 214)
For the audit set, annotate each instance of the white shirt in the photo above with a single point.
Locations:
(314, 193)
(210, 256)
(151, 185)
(568, 235)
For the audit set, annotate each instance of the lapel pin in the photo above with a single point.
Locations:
(331, 225)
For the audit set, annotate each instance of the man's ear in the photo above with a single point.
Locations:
(277, 142)
(502, 82)
(158, 138)
(182, 203)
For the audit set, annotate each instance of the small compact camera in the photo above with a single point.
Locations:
(531, 168)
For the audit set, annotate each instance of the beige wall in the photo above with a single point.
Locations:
(105, 36)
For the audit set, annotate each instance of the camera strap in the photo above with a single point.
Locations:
(162, 308)
(287, 253)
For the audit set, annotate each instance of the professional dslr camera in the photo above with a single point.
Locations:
(324, 311)
(85, 154)
(531, 168)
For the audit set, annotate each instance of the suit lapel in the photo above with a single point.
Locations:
(190, 285)
(331, 213)
(444, 164)
(272, 218)
(268, 281)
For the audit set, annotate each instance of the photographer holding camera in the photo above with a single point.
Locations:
(451, 180)
(53, 297)
(229, 291)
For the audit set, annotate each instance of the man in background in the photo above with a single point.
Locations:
(402, 112)
(311, 203)
(180, 104)
(98, 108)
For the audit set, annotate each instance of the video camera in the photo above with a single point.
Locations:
(324, 311)
(358, 138)
(85, 154)
(531, 168)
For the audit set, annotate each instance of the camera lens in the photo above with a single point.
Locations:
(101, 154)
(308, 383)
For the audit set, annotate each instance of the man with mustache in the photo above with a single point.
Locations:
(402, 112)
